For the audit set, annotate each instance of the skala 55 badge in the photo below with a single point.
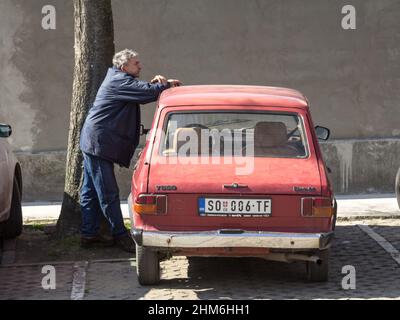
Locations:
(166, 188)
(304, 189)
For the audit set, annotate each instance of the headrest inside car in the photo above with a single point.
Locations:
(270, 134)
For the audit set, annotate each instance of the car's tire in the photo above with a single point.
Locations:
(12, 227)
(319, 272)
(335, 216)
(397, 187)
(148, 266)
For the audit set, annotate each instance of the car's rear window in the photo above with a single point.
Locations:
(221, 133)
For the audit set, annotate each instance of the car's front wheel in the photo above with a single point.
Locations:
(148, 266)
(318, 272)
(13, 226)
(397, 187)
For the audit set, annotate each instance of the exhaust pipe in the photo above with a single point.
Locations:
(290, 257)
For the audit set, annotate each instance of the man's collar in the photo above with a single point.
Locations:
(114, 68)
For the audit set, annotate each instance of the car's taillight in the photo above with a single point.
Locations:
(150, 204)
(317, 207)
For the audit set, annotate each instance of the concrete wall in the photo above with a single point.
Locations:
(36, 74)
(351, 77)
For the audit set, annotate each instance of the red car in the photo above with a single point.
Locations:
(232, 171)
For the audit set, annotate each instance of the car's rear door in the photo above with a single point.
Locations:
(272, 183)
(272, 189)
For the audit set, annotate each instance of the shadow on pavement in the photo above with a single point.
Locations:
(377, 274)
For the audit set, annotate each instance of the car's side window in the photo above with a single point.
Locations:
(221, 133)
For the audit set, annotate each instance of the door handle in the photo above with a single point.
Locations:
(235, 186)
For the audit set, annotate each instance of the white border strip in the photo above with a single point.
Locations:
(394, 253)
(79, 280)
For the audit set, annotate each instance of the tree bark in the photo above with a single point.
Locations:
(94, 49)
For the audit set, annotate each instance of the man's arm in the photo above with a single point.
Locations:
(137, 91)
(163, 80)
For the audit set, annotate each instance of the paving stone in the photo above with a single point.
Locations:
(377, 276)
(25, 282)
(390, 233)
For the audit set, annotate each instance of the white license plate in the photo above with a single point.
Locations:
(234, 207)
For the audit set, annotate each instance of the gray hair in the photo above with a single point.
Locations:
(121, 58)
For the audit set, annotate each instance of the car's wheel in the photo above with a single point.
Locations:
(397, 187)
(13, 226)
(318, 272)
(148, 266)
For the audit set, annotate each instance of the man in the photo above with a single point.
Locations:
(110, 135)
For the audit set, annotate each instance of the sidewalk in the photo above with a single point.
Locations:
(349, 207)
(369, 206)
(50, 211)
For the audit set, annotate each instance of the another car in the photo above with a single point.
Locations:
(10, 188)
(232, 171)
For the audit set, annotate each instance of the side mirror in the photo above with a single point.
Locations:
(322, 133)
(143, 131)
(5, 130)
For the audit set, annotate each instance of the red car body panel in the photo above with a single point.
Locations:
(211, 96)
(273, 178)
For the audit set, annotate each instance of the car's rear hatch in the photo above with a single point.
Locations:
(282, 181)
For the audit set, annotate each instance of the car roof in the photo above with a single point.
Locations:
(212, 95)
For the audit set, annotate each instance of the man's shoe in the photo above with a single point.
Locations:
(126, 243)
(98, 240)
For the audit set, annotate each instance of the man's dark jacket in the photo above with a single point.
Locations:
(112, 127)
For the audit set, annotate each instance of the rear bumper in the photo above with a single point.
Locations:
(232, 239)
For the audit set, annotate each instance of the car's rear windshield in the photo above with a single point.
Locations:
(222, 133)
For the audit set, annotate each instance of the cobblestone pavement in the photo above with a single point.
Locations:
(377, 275)
(25, 282)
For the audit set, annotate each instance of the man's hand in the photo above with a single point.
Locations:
(159, 78)
(174, 83)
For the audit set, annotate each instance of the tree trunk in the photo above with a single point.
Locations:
(94, 48)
